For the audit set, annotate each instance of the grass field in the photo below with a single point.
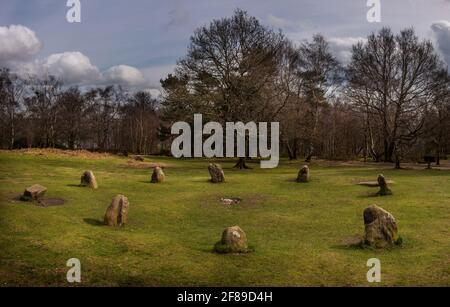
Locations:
(296, 230)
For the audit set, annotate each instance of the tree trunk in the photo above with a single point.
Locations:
(388, 151)
(241, 164)
(438, 152)
(308, 158)
(397, 163)
(292, 152)
(13, 136)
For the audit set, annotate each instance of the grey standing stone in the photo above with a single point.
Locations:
(303, 174)
(380, 227)
(384, 190)
(117, 212)
(158, 175)
(216, 172)
(234, 240)
(88, 180)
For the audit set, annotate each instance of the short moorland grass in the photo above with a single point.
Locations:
(295, 230)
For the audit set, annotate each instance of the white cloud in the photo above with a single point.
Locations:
(341, 47)
(441, 31)
(18, 43)
(71, 67)
(19, 47)
(156, 73)
(124, 75)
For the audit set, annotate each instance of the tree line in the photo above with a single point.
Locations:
(390, 103)
(43, 113)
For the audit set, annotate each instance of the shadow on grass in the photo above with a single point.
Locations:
(291, 180)
(144, 181)
(371, 195)
(74, 185)
(208, 180)
(94, 222)
(344, 247)
(212, 251)
(310, 181)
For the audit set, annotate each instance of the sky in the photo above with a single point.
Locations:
(135, 43)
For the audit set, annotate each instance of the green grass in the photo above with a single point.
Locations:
(295, 230)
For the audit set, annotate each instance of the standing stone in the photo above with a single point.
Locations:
(88, 179)
(158, 175)
(384, 190)
(380, 227)
(35, 192)
(216, 172)
(117, 212)
(234, 240)
(303, 174)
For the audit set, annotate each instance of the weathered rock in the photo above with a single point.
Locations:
(216, 172)
(234, 240)
(117, 212)
(88, 180)
(380, 227)
(35, 192)
(384, 190)
(158, 175)
(303, 174)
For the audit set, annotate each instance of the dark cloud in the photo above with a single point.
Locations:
(441, 30)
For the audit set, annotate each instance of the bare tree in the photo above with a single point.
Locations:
(321, 74)
(390, 79)
(229, 70)
(438, 123)
(140, 123)
(42, 109)
(102, 110)
(71, 115)
(394, 105)
(12, 89)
